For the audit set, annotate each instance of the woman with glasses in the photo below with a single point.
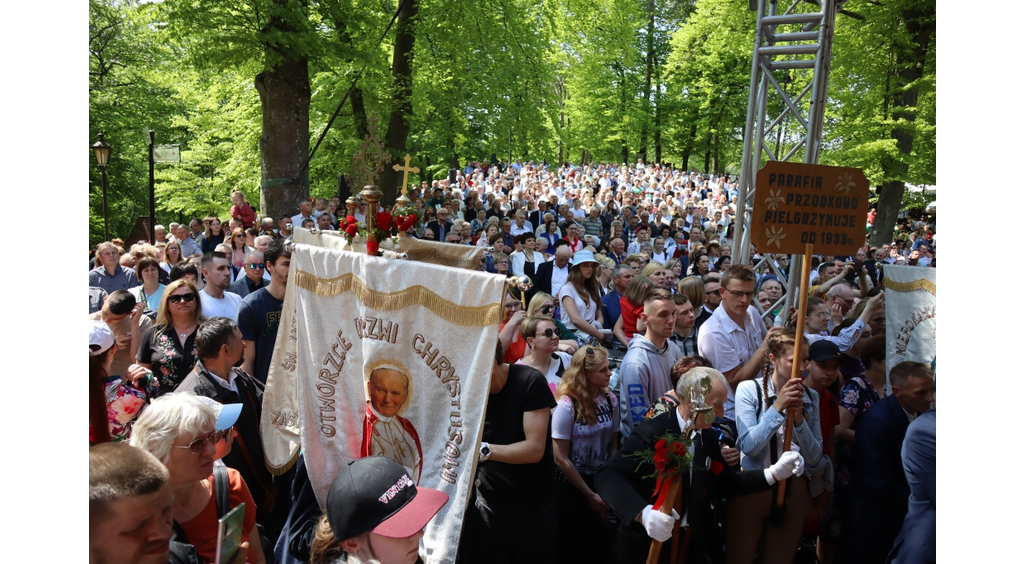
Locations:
(172, 255)
(169, 347)
(584, 433)
(238, 248)
(542, 339)
(544, 304)
(818, 315)
(184, 432)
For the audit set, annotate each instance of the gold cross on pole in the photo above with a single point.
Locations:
(405, 170)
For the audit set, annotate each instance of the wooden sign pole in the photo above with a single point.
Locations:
(801, 318)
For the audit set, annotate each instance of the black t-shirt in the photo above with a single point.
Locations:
(523, 484)
(259, 314)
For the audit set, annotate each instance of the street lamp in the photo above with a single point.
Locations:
(102, 152)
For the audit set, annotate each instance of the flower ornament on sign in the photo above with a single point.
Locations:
(775, 235)
(845, 183)
(774, 199)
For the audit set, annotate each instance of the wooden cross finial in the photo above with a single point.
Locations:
(405, 170)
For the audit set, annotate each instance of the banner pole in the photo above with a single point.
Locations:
(801, 318)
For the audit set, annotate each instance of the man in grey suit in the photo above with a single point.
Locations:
(253, 279)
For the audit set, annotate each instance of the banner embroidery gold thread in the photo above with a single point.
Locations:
(416, 295)
(910, 286)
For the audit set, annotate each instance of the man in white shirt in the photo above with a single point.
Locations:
(214, 299)
(305, 212)
(734, 338)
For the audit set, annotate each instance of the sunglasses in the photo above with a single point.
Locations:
(546, 310)
(549, 332)
(176, 298)
(255, 266)
(197, 445)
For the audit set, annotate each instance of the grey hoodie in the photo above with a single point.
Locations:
(645, 378)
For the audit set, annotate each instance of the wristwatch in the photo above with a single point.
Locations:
(485, 452)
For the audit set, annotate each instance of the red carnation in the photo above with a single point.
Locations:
(716, 467)
(351, 230)
(384, 221)
(679, 449)
(659, 460)
(350, 219)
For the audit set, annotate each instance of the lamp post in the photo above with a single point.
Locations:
(102, 152)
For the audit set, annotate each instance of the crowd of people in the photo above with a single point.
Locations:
(634, 300)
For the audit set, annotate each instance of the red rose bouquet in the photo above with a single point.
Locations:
(670, 456)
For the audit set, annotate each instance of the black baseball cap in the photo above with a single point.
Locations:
(376, 494)
(822, 350)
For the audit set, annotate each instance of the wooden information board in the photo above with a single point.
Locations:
(798, 204)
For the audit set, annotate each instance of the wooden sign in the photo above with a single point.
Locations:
(798, 204)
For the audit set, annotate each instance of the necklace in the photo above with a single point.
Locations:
(187, 331)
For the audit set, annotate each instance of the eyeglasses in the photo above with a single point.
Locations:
(739, 294)
(176, 298)
(822, 315)
(255, 266)
(513, 305)
(197, 445)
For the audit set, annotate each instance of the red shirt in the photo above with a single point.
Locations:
(201, 530)
(630, 313)
(829, 417)
(515, 351)
(244, 214)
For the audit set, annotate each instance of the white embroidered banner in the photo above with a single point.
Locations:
(909, 315)
(389, 357)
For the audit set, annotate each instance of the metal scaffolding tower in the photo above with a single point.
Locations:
(792, 48)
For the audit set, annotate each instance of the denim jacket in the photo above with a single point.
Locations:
(755, 433)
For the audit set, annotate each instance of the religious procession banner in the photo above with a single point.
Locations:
(384, 357)
(909, 315)
(433, 252)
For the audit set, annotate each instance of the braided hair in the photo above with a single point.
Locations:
(778, 342)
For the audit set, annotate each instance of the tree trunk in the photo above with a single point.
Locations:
(648, 73)
(716, 149)
(657, 120)
(284, 145)
(401, 108)
(688, 147)
(911, 63)
(356, 97)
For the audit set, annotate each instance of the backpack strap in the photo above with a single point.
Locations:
(760, 401)
(220, 489)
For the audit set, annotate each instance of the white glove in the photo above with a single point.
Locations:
(789, 464)
(658, 524)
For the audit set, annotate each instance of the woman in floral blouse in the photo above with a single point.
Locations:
(169, 347)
